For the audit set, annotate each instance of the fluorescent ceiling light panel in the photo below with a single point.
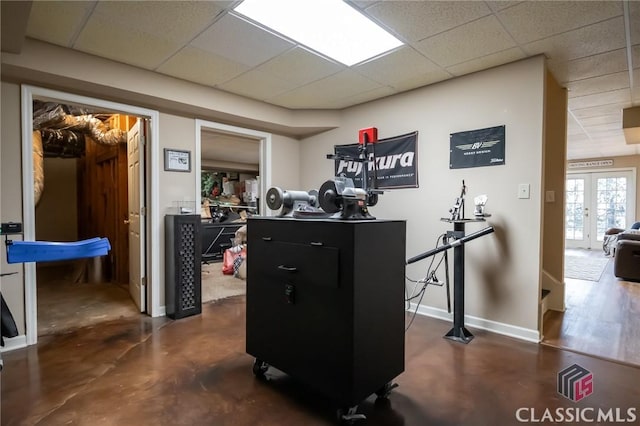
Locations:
(330, 27)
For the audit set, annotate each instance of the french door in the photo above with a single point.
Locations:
(596, 202)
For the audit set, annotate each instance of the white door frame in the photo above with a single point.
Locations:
(586, 228)
(28, 93)
(631, 189)
(265, 156)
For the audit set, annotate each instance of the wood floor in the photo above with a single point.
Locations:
(601, 318)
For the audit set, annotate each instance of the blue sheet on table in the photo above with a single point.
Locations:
(48, 251)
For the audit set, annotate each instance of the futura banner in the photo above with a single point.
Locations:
(393, 162)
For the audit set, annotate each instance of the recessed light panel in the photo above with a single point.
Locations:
(330, 27)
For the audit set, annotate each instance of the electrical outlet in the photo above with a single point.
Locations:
(523, 190)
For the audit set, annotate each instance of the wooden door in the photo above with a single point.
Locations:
(136, 223)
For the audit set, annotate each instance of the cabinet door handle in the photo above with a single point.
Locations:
(316, 243)
(266, 238)
(287, 268)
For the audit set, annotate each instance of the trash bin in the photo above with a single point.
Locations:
(96, 270)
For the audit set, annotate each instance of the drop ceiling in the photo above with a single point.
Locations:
(593, 49)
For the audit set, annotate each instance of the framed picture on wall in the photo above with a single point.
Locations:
(176, 160)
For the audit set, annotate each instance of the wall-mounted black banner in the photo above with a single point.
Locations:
(477, 148)
(396, 162)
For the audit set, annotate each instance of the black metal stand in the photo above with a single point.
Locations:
(459, 333)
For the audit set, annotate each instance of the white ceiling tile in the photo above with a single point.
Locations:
(322, 92)
(57, 22)
(470, 41)
(598, 110)
(600, 128)
(635, 95)
(201, 67)
(602, 119)
(587, 41)
(486, 62)
(499, 5)
(362, 4)
(604, 98)
(108, 39)
(599, 84)
(614, 138)
(363, 97)
(416, 20)
(634, 19)
(238, 40)
(532, 20)
(591, 66)
(178, 21)
(580, 141)
(609, 144)
(574, 130)
(421, 80)
(300, 66)
(257, 85)
(401, 66)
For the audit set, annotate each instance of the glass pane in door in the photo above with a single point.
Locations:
(574, 224)
(611, 204)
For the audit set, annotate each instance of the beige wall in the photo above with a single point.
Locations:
(12, 286)
(57, 211)
(176, 188)
(286, 151)
(503, 269)
(554, 165)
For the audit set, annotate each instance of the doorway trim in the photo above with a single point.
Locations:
(265, 155)
(28, 203)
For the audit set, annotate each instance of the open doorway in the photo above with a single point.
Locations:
(229, 163)
(82, 191)
(148, 178)
(599, 317)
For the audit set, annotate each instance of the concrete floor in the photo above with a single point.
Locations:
(194, 371)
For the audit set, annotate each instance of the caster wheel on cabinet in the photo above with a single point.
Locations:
(259, 368)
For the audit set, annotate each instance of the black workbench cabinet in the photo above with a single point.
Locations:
(216, 238)
(325, 302)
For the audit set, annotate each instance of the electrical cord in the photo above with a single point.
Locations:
(430, 278)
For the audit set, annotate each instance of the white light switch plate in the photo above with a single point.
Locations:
(523, 190)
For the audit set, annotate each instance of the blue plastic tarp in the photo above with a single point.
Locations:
(48, 251)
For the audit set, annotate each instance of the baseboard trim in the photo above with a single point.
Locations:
(162, 312)
(516, 332)
(14, 343)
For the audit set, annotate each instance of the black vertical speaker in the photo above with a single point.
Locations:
(183, 253)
